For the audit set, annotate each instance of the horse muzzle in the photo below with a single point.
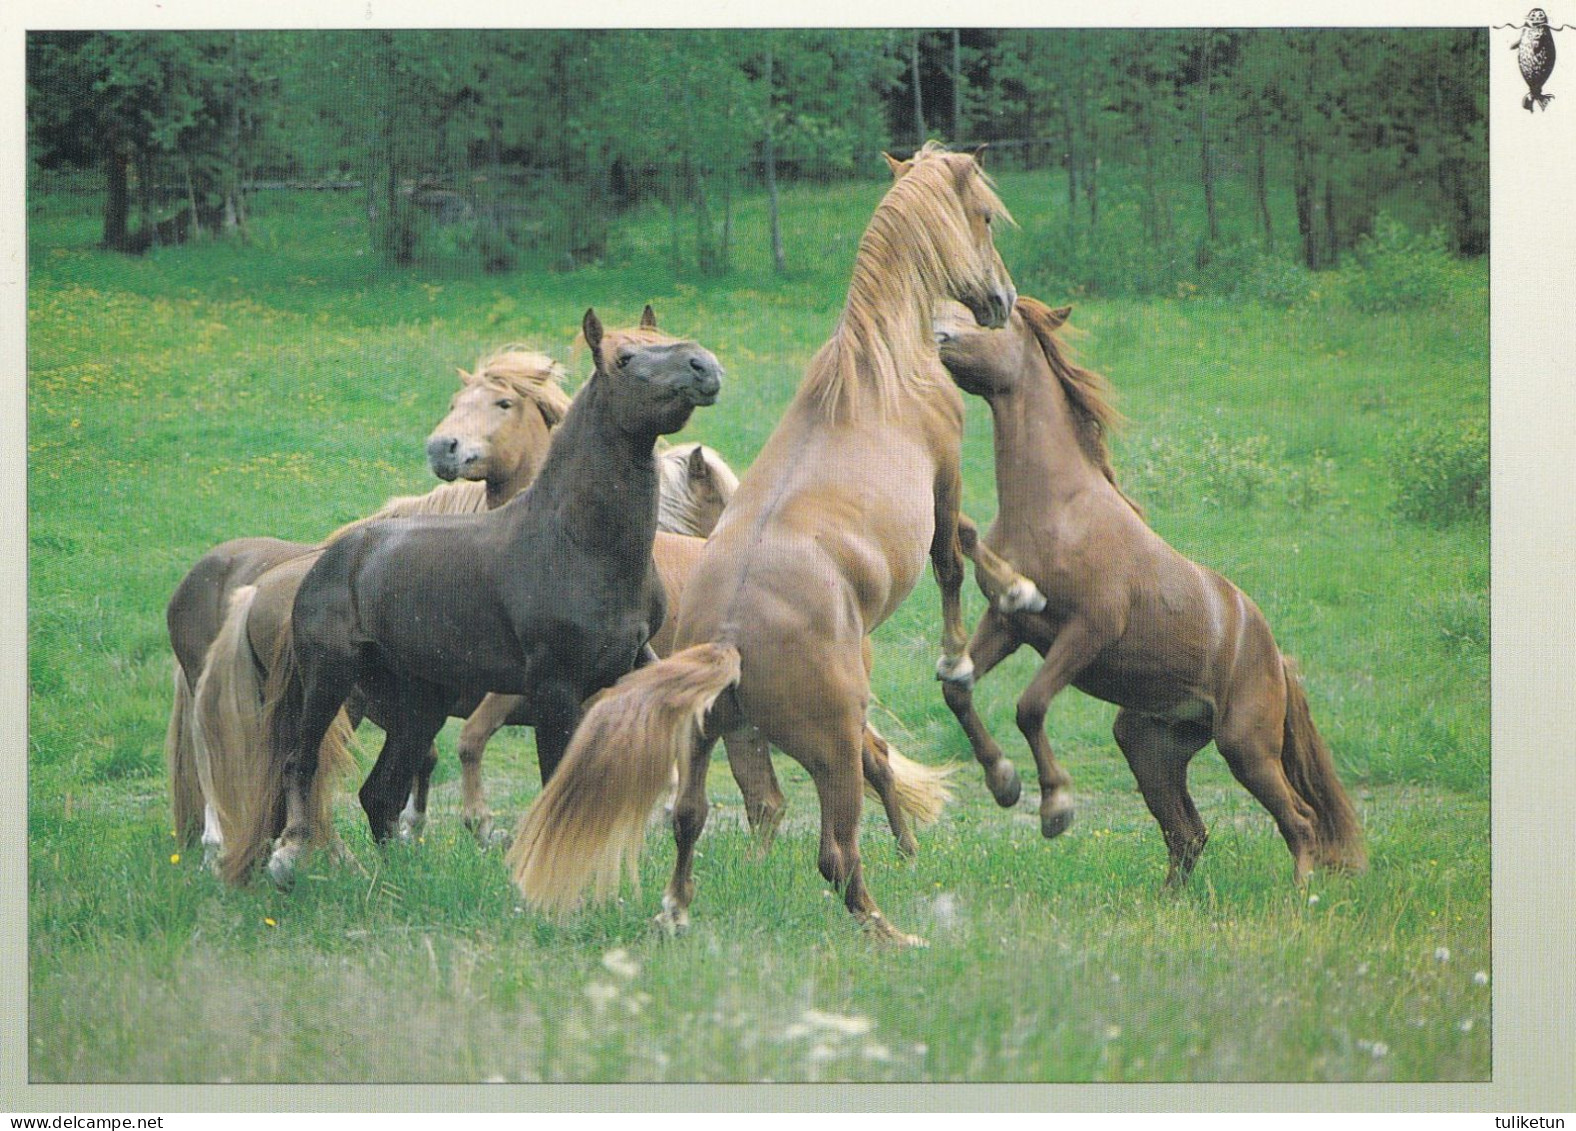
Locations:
(705, 381)
(450, 460)
(992, 309)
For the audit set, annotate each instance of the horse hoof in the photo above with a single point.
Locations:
(958, 670)
(670, 923)
(1055, 821)
(1006, 788)
(1022, 596)
(281, 870)
(886, 934)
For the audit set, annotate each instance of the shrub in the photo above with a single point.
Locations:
(1442, 475)
(1394, 268)
(1219, 471)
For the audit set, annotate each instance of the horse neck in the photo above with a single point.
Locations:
(503, 488)
(602, 480)
(1040, 457)
(885, 327)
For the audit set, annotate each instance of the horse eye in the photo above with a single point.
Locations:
(623, 359)
(506, 405)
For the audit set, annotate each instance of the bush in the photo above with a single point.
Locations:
(1394, 268)
(1442, 475)
(1221, 472)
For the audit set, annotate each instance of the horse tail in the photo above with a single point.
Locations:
(186, 800)
(256, 809)
(1311, 772)
(922, 791)
(227, 714)
(587, 826)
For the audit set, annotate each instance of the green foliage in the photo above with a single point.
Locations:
(1395, 268)
(1442, 474)
(1215, 471)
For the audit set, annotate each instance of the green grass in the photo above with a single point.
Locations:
(285, 387)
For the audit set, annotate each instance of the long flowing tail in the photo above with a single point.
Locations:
(186, 800)
(251, 803)
(922, 791)
(1311, 771)
(588, 825)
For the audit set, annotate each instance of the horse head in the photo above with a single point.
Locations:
(498, 422)
(655, 380)
(986, 361)
(958, 206)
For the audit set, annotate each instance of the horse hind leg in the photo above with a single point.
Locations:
(1250, 740)
(487, 720)
(839, 785)
(689, 818)
(1158, 752)
(750, 759)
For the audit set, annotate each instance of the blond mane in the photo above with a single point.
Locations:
(526, 373)
(915, 251)
(677, 507)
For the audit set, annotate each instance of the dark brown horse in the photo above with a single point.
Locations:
(1183, 652)
(493, 439)
(830, 530)
(551, 597)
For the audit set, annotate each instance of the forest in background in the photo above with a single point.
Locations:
(498, 149)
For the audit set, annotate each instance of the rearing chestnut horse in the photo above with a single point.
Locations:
(552, 596)
(828, 532)
(1182, 651)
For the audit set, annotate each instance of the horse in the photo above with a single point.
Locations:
(695, 484)
(552, 596)
(1183, 653)
(828, 533)
(492, 440)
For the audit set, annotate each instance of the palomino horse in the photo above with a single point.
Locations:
(552, 596)
(828, 533)
(1183, 652)
(502, 415)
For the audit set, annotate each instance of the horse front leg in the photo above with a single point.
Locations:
(993, 641)
(1007, 590)
(946, 561)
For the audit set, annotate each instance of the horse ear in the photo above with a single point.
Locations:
(1060, 316)
(698, 467)
(465, 378)
(898, 167)
(979, 155)
(591, 327)
(648, 318)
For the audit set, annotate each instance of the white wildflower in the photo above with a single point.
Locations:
(619, 962)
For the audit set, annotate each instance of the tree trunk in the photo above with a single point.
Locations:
(1206, 158)
(1331, 235)
(117, 196)
(1302, 187)
(957, 87)
(769, 158)
(919, 98)
(1261, 179)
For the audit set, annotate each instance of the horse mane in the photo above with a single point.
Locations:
(911, 249)
(1088, 393)
(527, 373)
(463, 496)
(676, 502)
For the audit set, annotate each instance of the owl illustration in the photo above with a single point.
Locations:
(1535, 55)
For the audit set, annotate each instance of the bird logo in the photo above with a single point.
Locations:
(1534, 50)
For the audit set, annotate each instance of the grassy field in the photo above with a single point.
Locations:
(211, 391)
